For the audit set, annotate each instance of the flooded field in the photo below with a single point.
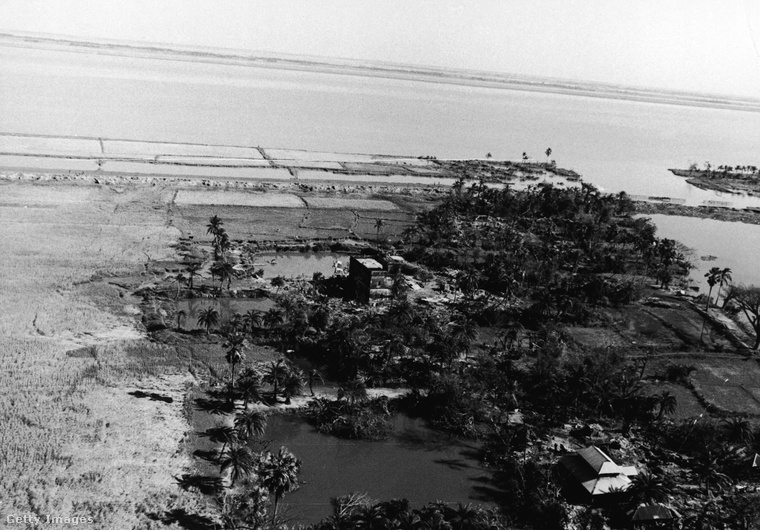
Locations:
(414, 463)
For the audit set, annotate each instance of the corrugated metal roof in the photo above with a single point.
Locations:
(599, 461)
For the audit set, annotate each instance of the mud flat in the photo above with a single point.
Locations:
(702, 212)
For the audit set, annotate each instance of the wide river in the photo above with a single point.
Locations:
(617, 145)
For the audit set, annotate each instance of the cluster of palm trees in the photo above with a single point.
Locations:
(716, 276)
(221, 268)
(556, 246)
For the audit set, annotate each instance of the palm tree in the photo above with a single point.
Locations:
(739, 431)
(708, 466)
(279, 475)
(224, 271)
(191, 270)
(274, 375)
(234, 346)
(466, 516)
(250, 423)
(214, 225)
(249, 386)
(239, 461)
(208, 318)
(712, 276)
(548, 153)
(225, 434)
(221, 244)
(272, 318)
(724, 277)
(181, 316)
(252, 320)
(378, 225)
(649, 488)
(354, 391)
(667, 402)
(314, 376)
(464, 332)
(278, 282)
(179, 279)
(293, 384)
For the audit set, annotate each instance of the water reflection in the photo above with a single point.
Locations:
(415, 463)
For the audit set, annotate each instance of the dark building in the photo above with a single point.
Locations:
(370, 279)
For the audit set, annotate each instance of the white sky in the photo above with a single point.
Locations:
(695, 45)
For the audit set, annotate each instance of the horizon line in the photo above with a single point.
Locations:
(374, 68)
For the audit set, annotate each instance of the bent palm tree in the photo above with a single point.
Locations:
(724, 277)
(239, 461)
(713, 277)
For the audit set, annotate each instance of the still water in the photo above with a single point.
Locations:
(414, 463)
(735, 245)
(617, 145)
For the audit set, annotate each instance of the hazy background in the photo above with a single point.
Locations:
(692, 45)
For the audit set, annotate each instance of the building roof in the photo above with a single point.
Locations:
(597, 472)
(369, 263)
(599, 461)
(652, 512)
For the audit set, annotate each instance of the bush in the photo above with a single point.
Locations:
(367, 420)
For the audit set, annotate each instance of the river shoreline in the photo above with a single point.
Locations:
(701, 212)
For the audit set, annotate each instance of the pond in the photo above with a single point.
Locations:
(226, 307)
(735, 245)
(295, 264)
(414, 463)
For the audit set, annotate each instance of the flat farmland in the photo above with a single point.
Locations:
(35, 145)
(136, 148)
(732, 385)
(238, 198)
(349, 204)
(331, 220)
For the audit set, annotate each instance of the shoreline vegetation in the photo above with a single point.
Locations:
(373, 69)
(725, 179)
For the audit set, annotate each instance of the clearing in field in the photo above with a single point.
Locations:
(239, 198)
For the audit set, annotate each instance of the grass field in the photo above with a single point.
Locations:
(73, 441)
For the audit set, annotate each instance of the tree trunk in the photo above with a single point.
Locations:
(276, 504)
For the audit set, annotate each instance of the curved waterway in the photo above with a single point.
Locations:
(415, 463)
